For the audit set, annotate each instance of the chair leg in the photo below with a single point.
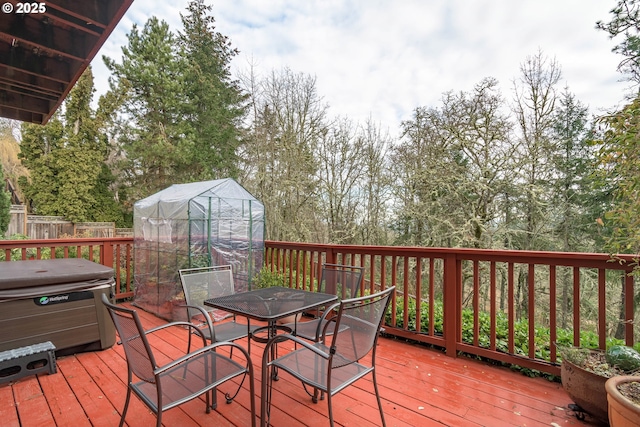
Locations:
(214, 400)
(249, 337)
(375, 388)
(229, 398)
(330, 409)
(126, 406)
(265, 401)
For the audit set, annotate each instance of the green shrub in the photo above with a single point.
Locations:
(266, 278)
(542, 335)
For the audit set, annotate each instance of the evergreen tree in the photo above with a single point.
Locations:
(65, 159)
(625, 21)
(82, 155)
(40, 148)
(214, 101)
(147, 96)
(573, 192)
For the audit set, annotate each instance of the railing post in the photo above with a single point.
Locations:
(330, 256)
(629, 308)
(107, 254)
(450, 307)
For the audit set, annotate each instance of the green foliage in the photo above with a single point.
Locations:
(542, 340)
(66, 159)
(619, 157)
(173, 107)
(623, 357)
(215, 108)
(45, 252)
(146, 98)
(16, 254)
(266, 278)
(5, 205)
(625, 21)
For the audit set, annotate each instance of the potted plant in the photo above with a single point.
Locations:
(584, 373)
(623, 392)
(623, 396)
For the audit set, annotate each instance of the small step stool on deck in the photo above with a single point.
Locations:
(29, 360)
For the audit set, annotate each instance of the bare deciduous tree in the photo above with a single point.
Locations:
(288, 121)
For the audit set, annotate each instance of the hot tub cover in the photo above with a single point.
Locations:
(25, 279)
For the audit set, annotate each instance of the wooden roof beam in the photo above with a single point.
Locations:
(23, 116)
(26, 102)
(31, 61)
(18, 90)
(96, 12)
(33, 83)
(41, 32)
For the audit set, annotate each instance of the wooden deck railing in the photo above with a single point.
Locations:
(116, 252)
(489, 299)
(480, 302)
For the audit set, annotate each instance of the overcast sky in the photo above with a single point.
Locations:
(384, 58)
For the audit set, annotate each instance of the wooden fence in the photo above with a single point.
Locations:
(55, 227)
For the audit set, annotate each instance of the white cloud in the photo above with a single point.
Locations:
(384, 58)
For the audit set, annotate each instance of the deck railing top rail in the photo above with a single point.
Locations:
(479, 301)
(506, 305)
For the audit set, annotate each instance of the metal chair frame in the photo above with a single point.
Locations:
(201, 283)
(162, 387)
(341, 280)
(335, 361)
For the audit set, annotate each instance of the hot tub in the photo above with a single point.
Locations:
(55, 300)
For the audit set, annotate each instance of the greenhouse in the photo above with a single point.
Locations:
(198, 224)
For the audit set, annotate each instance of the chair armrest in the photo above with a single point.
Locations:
(199, 351)
(288, 337)
(328, 316)
(189, 325)
(206, 316)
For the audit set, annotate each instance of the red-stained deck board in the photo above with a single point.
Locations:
(97, 406)
(8, 409)
(31, 403)
(104, 374)
(63, 403)
(418, 386)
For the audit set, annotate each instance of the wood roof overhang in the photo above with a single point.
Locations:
(43, 53)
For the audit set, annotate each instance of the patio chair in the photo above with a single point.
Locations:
(341, 280)
(203, 283)
(172, 384)
(334, 362)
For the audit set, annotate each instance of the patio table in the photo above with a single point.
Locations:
(270, 305)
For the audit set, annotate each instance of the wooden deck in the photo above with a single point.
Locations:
(419, 387)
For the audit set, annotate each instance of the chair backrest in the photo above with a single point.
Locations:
(341, 280)
(136, 347)
(357, 325)
(203, 283)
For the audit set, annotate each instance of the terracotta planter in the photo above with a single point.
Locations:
(586, 389)
(622, 412)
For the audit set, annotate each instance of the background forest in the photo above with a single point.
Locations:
(529, 169)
